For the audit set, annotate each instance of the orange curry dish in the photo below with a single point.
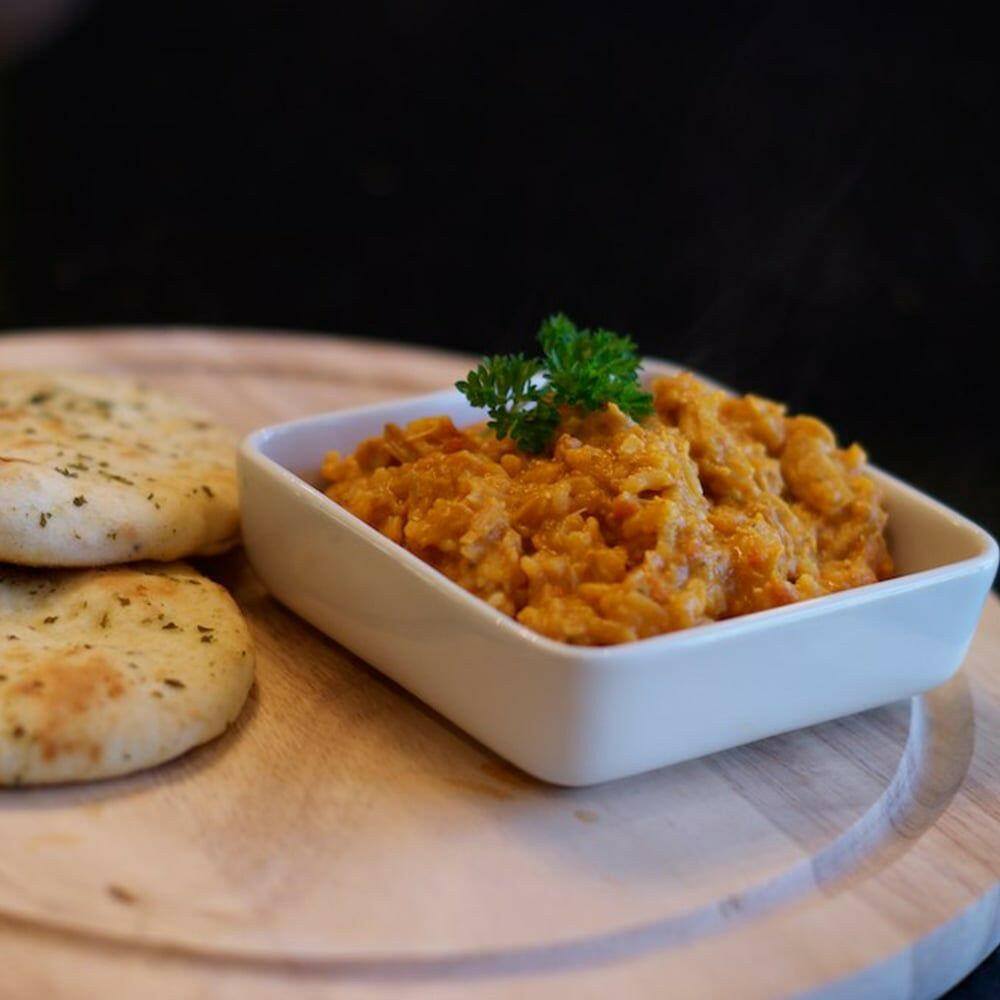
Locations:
(714, 506)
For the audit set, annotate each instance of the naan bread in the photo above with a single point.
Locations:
(97, 469)
(107, 671)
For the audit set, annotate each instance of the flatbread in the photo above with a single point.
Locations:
(97, 469)
(107, 671)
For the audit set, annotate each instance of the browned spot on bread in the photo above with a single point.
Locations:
(53, 748)
(128, 584)
(69, 687)
(63, 689)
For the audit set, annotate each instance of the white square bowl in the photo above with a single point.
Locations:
(576, 715)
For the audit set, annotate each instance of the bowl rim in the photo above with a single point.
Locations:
(252, 450)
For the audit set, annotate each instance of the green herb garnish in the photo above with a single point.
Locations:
(581, 368)
(518, 406)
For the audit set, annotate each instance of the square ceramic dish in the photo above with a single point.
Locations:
(573, 715)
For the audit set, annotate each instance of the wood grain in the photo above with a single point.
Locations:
(344, 840)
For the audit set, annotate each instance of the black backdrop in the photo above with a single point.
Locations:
(792, 197)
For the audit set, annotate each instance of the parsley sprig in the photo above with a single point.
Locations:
(580, 368)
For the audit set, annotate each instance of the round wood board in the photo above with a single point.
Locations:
(343, 839)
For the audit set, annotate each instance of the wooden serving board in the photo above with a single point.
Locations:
(344, 840)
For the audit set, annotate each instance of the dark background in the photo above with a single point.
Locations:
(796, 198)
